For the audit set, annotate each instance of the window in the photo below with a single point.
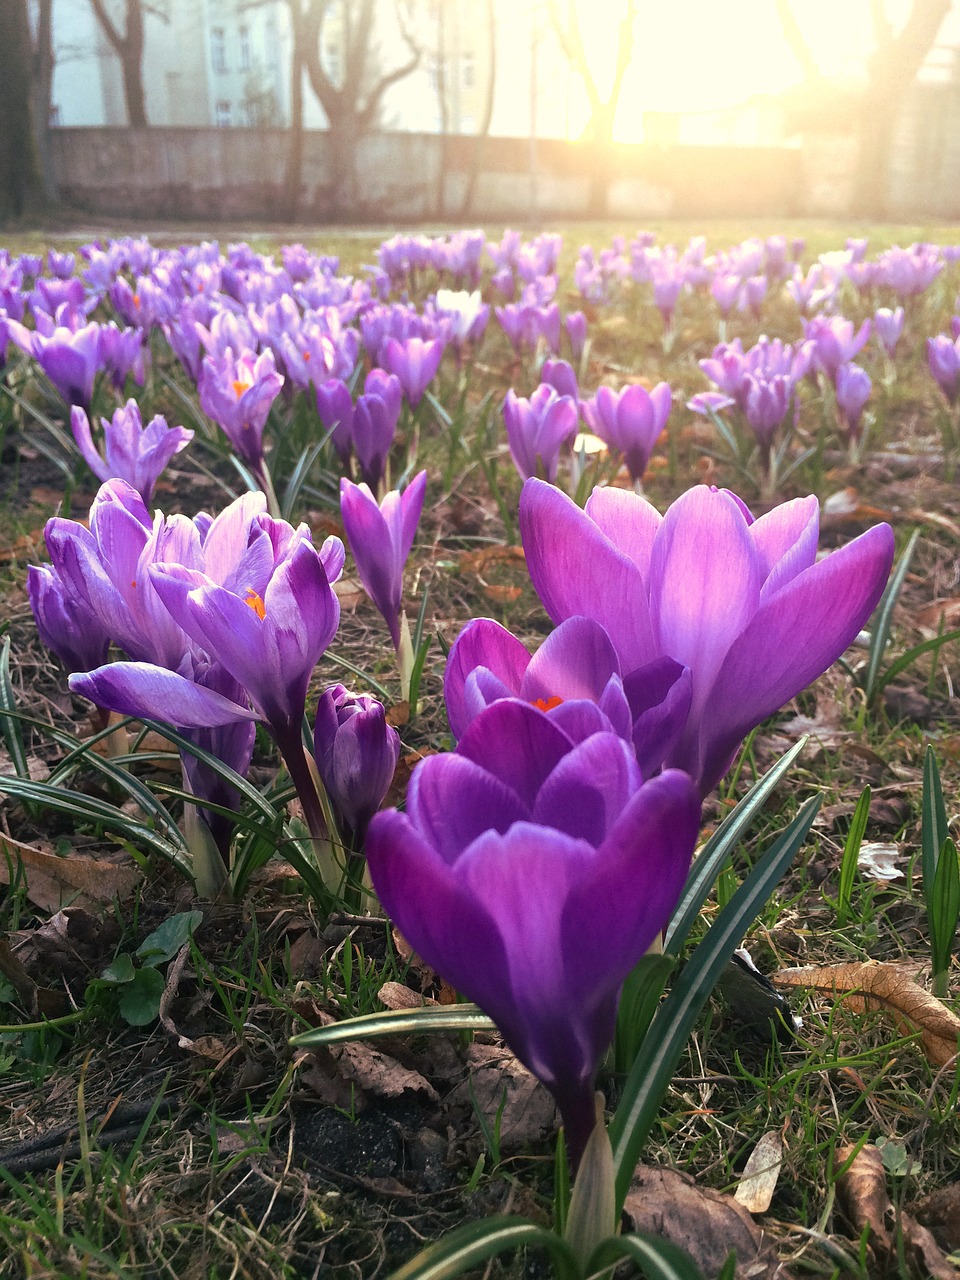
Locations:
(218, 49)
(245, 54)
(333, 62)
(468, 70)
(223, 115)
(54, 116)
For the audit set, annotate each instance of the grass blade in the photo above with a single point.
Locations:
(884, 619)
(459, 1017)
(718, 849)
(851, 855)
(933, 822)
(9, 721)
(655, 1064)
(468, 1246)
(655, 1258)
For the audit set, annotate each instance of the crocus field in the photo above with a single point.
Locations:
(479, 756)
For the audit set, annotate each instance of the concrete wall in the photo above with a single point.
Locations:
(239, 173)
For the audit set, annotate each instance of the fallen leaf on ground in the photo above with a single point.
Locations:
(498, 1080)
(760, 1174)
(705, 1223)
(891, 987)
(394, 995)
(863, 1193)
(477, 561)
(940, 1211)
(53, 881)
(349, 592)
(878, 861)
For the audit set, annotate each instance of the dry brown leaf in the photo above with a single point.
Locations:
(863, 1194)
(394, 995)
(377, 1073)
(349, 592)
(501, 594)
(497, 1080)
(53, 881)
(891, 987)
(399, 714)
(940, 1211)
(760, 1174)
(705, 1223)
(477, 561)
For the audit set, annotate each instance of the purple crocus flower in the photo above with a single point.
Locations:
(836, 342)
(943, 361)
(335, 409)
(69, 357)
(575, 324)
(380, 538)
(533, 874)
(743, 603)
(767, 403)
(375, 418)
(132, 452)
(574, 677)
(888, 326)
(853, 391)
(237, 392)
(537, 428)
(560, 375)
(630, 420)
(356, 753)
(415, 362)
(66, 623)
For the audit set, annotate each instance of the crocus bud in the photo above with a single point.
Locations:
(356, 753)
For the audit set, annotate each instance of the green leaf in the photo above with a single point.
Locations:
(943, 906)
(884, 619)
(851, 854)
(656, 1259)
(139, 1001)
(120, 969)
(639, 999)
(653, 1070)
(166, 940)
(933, 822)
(9, 723)
(719, 847)
(455, 1017)
(468, 1246)
(84, 808)
(907, 659)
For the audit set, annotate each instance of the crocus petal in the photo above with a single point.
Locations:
(786, 538)
(575, 661)
(705, 583)
(629, 521)
(588, 789)
(517, 744)
(154, 693)
(794, 636)
(80, 426)
(576, 570)
(483, 803)
(481, 643)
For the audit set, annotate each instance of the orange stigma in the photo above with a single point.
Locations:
(239, 387)
(546, 704)
(256, 603)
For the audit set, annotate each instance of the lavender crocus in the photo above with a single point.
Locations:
(743, 603)
(533, 874)
(132, 452)
(237, 392)
(943, 361)
(66, 623)
(335, 410)
(887, 327)
(356, 753)
(574, 677)
(835, 340)
(537, 429)
(853, 387)
(630, 420)
(415, 362)
(69, 357)
(381, 536)
(375, 418)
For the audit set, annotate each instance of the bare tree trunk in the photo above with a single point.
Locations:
(893, 70)
(21, 185)
(129, 49)
(479, 146)
(293, 178)
(43, 63)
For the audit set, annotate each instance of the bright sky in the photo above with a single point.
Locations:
(698, 55)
